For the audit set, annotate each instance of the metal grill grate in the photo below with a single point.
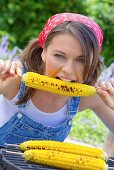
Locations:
(11, 159)
(110, 163)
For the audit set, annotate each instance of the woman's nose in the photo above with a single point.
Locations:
(68, 68)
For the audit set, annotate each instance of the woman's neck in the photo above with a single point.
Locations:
(48, 102)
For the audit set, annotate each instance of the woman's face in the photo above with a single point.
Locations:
(63, 58)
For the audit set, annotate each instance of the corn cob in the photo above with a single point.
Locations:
(64, 160)
(53, 85)
(64, 147)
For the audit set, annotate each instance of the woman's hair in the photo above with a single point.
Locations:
(31, 56)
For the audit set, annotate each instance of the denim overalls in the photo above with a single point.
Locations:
(21, 128)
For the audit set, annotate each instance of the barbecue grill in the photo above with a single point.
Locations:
(11, 159)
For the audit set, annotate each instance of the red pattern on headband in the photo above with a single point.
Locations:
(62, 17)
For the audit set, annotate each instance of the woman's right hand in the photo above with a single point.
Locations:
(11, 67)
(10, 77)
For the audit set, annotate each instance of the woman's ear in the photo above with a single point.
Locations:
(43, 56)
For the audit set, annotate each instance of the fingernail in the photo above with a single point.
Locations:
(12, 72)
(108, 85)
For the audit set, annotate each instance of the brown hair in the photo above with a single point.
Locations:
(32, 53)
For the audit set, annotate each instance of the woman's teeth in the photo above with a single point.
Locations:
(64, 79)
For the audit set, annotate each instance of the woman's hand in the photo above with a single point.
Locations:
(10, 77)
(11, 67)
(106, 92)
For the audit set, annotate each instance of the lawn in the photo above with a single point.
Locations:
(87, 127)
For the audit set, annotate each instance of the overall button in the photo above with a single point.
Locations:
(70, 122)
(19, 115)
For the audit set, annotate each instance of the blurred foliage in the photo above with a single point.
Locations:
(25, 19)
(103, 12)
(6, 53)
(11, 39)
(87, 127)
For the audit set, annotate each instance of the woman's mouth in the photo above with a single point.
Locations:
(64, 79)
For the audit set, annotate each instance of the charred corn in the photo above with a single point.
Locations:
(64, 147)
(53, 85)
(64, 160)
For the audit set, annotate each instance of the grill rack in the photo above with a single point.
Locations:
(11, 159)
(110, 163)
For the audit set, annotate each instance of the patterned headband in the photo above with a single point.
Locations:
(62, 17)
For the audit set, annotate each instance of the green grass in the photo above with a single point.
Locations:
(87, 127)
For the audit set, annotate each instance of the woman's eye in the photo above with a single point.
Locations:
(81, 60)
(59, 56)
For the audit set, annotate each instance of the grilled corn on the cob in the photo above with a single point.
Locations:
(65, 160)
(64, 147)
(53, 85)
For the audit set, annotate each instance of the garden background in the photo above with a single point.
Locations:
(21, 21)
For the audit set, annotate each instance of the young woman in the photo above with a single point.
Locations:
(68, 49)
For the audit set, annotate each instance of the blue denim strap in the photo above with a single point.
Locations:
(22, 89)
(73, 105)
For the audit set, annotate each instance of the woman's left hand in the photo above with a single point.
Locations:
(106, 92)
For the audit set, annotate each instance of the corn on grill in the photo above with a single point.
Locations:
(64, 155)
(64, 147)
(11, 157)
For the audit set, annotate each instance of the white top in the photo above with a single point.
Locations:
(8, 109)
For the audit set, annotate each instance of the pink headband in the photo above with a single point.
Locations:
(62, 17)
